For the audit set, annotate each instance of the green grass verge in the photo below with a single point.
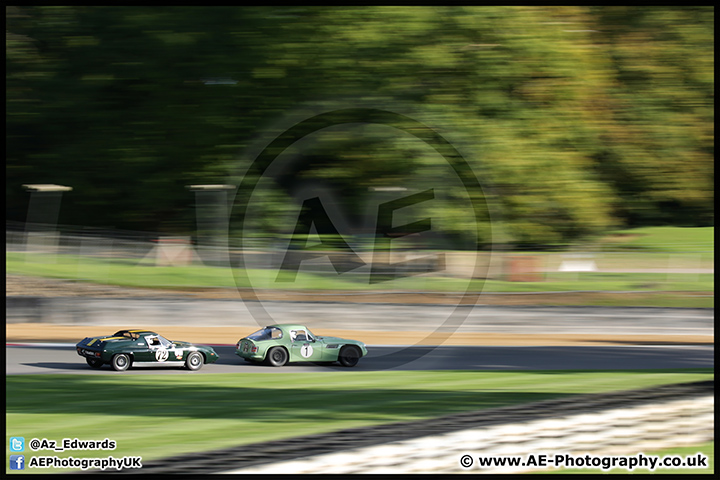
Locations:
(125, 273)
(157, 416)
(655, 288)
(677, 254)
(662, 239)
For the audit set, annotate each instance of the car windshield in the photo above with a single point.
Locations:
(158, 341)
(267, 333)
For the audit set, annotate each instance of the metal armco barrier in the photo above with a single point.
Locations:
(619, 423)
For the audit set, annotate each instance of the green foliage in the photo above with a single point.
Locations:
(576, 119)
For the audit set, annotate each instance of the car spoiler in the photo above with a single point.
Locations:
(98, 341)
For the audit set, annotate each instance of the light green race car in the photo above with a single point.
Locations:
(277, 345)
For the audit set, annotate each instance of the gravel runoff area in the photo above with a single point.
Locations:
(17, 285)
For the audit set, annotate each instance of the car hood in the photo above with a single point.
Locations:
(192, 345)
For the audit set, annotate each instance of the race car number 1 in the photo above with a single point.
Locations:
(306, 350)
(161, 355)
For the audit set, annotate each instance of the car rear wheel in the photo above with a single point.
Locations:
(94, 362)
(349, 356)
(194, 361)
(277, 357)
(121, 362)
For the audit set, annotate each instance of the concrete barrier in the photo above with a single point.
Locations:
(619, 431)
(366, 316)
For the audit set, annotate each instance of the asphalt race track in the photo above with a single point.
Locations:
(52, 359)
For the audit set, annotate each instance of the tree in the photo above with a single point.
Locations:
(577, 119)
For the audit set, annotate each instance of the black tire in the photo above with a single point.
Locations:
(194, 361)
(121, 362)
(349, 356)
(94, 362)
(277, 357)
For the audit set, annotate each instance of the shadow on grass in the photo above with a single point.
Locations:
(85, 395)
(218, 397)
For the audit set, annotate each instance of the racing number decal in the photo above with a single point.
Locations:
(306, 350)
(161, 355)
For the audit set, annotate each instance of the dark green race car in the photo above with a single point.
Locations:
(277, 345)
(143, 348)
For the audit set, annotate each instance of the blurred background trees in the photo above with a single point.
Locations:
(580, 119)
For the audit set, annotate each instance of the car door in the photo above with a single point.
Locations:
(143, 352)
(304, 347)
(157, 349)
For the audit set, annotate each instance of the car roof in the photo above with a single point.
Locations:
(288, 326)
(139, 331)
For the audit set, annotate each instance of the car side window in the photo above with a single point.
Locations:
(299, 335)
(153, 341)
(122, 333)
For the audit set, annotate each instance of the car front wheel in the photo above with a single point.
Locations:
(121, 362)
(94, 362)
(277, 357)
(349, 356)
(194, 361)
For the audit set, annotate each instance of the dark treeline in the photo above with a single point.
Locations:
(581, 119)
